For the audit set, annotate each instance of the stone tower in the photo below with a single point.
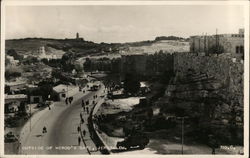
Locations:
(77, 35)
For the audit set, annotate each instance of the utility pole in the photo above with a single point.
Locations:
(193, 44)
(217, 41)
(199, 44)
(30, 118)
(208, 45)
(67, 91)
(205, 42)
(182, 135)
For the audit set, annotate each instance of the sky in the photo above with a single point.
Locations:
(121, 23)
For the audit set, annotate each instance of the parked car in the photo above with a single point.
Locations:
(135, 140)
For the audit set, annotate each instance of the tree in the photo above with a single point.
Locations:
(87, 65)
(78, 68)
(7, 61)
(22, 107)
(67, 61)
(131, 84)
(45, 61)
(216, 49)
(12, 52)
(11, 74)
(30, 60)
(44, 90)
(6, 89)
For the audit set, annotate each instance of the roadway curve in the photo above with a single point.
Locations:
(61, 122)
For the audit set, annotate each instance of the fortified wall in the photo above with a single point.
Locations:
(209, 89)
(225, 70)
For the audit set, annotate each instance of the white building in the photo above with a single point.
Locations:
(43, 55)
(65, 91)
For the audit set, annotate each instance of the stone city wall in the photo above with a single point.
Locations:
(228, 72)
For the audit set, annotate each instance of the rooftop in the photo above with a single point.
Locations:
(16, 96)
(63, 88)
(15, 83)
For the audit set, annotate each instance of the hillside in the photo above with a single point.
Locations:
(169, 46)
(29, 46)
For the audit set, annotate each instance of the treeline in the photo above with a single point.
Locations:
(12, 74)
(168, 38)
(102, 64)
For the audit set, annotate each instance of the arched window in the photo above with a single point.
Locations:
(237, 49)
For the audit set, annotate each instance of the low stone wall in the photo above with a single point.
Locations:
(100, 144)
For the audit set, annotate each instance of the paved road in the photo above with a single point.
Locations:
(61, 123)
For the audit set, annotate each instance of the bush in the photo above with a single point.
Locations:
(9, 75)
(131, 84)
(13, 53)
(216, 49)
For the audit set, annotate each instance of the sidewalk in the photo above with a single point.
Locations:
(89, 144)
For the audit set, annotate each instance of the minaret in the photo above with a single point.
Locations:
(77, 35)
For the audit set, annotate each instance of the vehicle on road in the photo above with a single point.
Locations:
(134, 140)
(10, 137)
(44, 129)
(42, 104)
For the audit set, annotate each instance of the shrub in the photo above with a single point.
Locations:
(9, 74)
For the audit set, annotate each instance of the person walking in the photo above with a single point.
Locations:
(70, 100)
(212, 143)
(213, 151)
(44, 129)
(78, 129)
(66, 101)
(87, 108)
(82, 103)
(79, 140)
(84, 132)
(82, 120)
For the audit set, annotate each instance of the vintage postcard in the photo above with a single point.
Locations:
(152, 78)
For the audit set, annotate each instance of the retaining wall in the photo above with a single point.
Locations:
(100, 144)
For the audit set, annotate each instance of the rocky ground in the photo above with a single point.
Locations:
(118, 105)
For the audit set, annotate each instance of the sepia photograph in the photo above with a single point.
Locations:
(124, 78)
